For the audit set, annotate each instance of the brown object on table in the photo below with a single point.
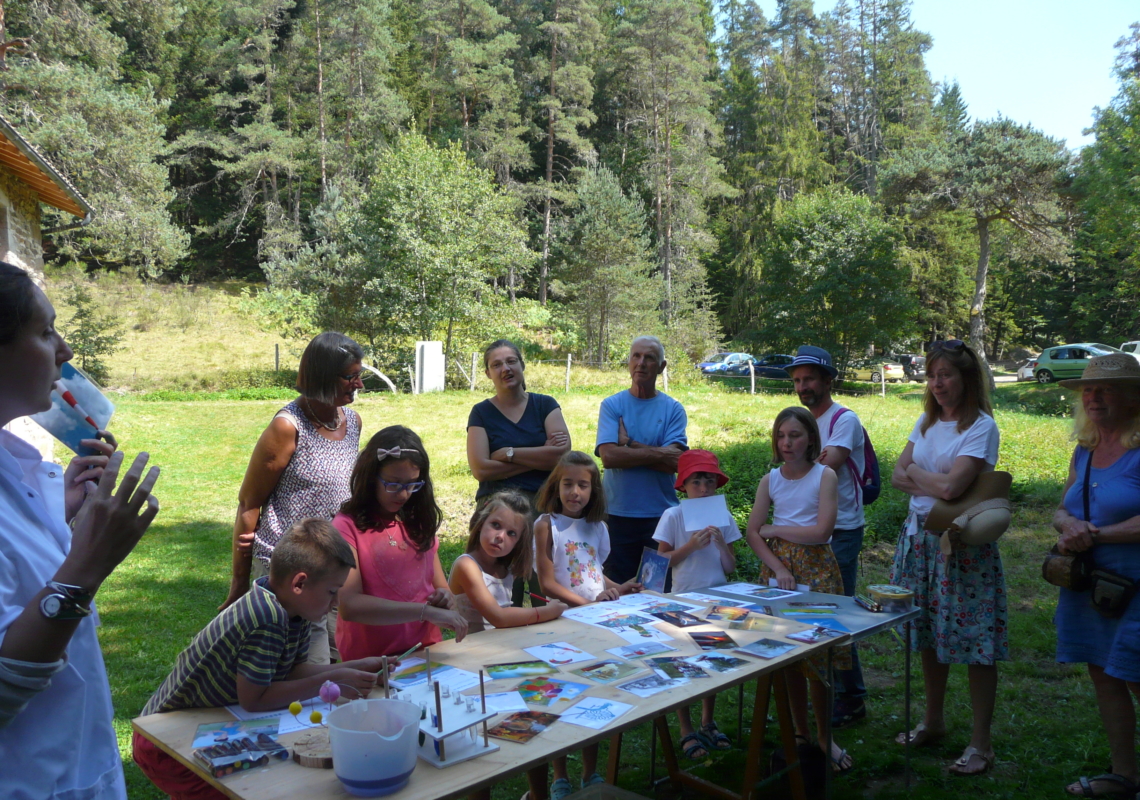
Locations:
(312, 749)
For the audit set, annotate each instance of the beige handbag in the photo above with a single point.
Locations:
(979, 516)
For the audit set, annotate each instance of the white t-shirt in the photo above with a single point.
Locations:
(942, 444)
(62, 745)
(848, 432)
(578, 549)
(702, 568)
(500, 592)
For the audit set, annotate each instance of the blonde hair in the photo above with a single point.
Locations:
(1087, 434)
(519, 562)
(975, 388)
(549, 500)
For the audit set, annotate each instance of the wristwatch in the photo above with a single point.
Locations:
(511, 455)
(66, 602)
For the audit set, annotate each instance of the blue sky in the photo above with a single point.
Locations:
(1047, 62)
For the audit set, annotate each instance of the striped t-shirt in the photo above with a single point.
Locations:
(254, 638)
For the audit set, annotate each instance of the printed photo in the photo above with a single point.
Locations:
(712, 640)
(547, 691)
(641, 650)
(607, 671)
(651, 572)
(726, 613)
(558, 653)
(766, 648)
(761, 623)
(677, 667)
(522, 726)
(718, 662)
(651, 685)
(679, 618)
(519, 669)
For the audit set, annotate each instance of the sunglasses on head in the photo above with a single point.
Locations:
(951, 345)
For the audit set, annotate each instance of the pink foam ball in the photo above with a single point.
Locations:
(330, 692)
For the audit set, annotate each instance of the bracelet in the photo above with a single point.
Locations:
(537, 617)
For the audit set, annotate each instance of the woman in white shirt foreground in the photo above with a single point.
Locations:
(55, 702)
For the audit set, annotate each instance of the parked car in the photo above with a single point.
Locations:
(875, 370)
(729, 362)
(713, 360)
(1132, 348)
(1068, 360)
(913, 365)
(771, 366)
(1025, 370)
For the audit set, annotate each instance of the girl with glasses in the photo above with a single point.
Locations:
(397, 595)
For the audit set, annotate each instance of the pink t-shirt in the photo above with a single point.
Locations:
(389, 568)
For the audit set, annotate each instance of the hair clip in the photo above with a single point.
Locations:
(395, 452)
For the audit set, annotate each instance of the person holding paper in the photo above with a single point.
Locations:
(56, 733)
(812, 374)
(641, 435)
(700, 558)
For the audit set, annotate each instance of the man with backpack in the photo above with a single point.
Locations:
(846, 449)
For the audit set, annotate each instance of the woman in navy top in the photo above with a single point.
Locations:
(1106, 465)
(516, 437)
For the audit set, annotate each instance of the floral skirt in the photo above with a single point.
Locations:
(813, 565)
(962, 597)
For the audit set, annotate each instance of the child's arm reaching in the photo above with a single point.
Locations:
(824, 525)
(544, 566)
(615, 590)
(467, 578)
(305, 681)
(756, 521)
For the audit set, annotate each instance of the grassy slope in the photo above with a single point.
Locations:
(1046, 730)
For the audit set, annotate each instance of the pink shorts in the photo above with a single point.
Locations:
(169, 774)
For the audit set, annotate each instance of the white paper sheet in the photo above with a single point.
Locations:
(700, 512)
(286, 722)
(800, 587)
(594, 712)
(556, 654)
(502, 702)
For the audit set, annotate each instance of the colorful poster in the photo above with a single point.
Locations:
(548, 691)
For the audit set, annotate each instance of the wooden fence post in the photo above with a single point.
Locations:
(752, 375)
(883, 378)
(568, 358)
(276, 358)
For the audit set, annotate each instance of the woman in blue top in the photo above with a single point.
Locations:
(515, 438)
(1106, 465)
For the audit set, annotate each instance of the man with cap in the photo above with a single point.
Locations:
(841, 433)
(641, 434)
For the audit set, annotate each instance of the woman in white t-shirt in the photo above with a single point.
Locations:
(962, 596)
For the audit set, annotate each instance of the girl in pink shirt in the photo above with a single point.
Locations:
(397, 594)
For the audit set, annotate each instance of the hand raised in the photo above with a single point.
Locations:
(83, 472)
(110, 523)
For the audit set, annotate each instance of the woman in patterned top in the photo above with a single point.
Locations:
(301, 465)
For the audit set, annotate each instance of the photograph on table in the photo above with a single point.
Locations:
(608, 671)
(414, 671)
(503, 702)
(594, 712)
(681, 619)
(548, 691)
(718, 662)
(676, 667)
(211, 733)
(757, 623)
(766, 648)
(661, 605)
(824, 628)
(522, 726)
(651, 572)
(558, 653)
(726, 613)
(519, 669)
(651, 685)
(633, 627)
(712, 640)
(641, 650)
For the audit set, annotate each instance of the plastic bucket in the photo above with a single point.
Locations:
(374, 745)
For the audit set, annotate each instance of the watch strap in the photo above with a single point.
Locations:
(72, 592)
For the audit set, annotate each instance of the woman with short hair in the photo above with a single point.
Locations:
(514, 438)
(962, 596)
(1105, 467)
(301, 465)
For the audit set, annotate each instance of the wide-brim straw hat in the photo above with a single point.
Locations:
(1119, 369)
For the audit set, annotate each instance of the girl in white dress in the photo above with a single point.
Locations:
(499, 549)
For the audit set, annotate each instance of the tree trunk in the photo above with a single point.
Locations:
(544, 267)
(977, 307)
(321, 99)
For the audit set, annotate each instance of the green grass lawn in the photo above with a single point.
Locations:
(1046, 730)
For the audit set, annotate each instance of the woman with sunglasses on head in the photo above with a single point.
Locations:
(515, 438)
(396, 597)
(300, 466)
(62, 533)
(962, 596)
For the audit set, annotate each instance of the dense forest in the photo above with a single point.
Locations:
(580, 169)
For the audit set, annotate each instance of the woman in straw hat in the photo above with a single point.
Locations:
(1106, 465)
(965, 619)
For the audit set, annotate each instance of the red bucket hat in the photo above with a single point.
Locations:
(698, 461)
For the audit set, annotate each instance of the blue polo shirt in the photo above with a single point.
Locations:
(658, 421)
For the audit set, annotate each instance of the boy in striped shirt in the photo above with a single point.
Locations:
(254, 652)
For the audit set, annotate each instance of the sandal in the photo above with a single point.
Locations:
(560, 789)
(960, 766)
(1127, 787)
(837, 763)
(713, 736)
(691, 744)
(920, 736)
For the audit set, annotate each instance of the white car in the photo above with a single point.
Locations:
(1025, 371)
(1132, 348)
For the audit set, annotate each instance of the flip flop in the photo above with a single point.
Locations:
(836, 763)
(920, 736)
(1127, 787)
(959, 766)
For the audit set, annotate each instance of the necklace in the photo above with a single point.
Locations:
(334, 427)
(393, 543)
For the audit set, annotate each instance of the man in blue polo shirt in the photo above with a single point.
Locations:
(641, 434)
